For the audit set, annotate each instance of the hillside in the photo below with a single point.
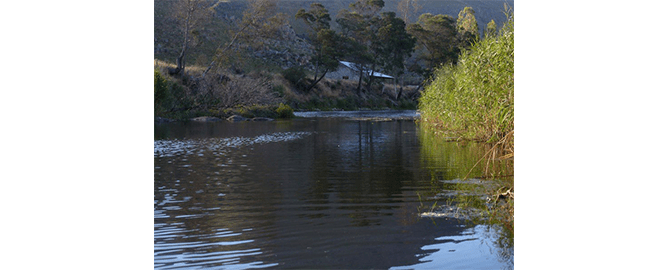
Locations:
(276, 68)
(166, 41)
(485, 10)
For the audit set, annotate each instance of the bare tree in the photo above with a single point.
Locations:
(190, 14)
(407, 9)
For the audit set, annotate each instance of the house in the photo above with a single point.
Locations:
(349, 71)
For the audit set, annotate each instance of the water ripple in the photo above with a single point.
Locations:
(170, 148)
(174, 248)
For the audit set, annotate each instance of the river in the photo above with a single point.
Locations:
(330, 190)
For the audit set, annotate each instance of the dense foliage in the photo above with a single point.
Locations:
(437, 41)
(474, 99)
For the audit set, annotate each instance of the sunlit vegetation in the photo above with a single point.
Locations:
(473, 101)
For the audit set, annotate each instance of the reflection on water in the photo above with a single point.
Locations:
(304, 193)
(458, 252)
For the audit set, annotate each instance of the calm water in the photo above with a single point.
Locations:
(335, 190)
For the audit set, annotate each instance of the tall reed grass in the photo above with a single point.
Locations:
(474, 99)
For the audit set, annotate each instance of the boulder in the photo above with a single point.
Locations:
(206, 119)
(237, 118)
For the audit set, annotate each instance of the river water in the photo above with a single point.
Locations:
(331, 190)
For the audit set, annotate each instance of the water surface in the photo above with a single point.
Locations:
(328, 191)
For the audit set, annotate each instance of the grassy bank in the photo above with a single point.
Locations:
(473, 100)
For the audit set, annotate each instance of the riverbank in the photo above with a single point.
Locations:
(362, 115)
(474, 101)
(267, 94)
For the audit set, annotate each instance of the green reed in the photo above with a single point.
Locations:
(474, 99)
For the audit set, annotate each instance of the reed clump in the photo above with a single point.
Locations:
(473, 100)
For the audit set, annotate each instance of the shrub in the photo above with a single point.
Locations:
(294, 74)
(284, 111)
(279, 89)
(347, 104)
(406, 104)
(160, 91)
(244, 91)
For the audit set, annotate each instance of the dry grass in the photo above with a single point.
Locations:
(163, 66)
(226, 90)
(241, 91)
(502, 150)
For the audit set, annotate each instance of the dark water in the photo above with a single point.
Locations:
(326, 192)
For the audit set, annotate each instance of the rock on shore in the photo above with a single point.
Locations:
(161, 120)
(206, 119)
(237, 118)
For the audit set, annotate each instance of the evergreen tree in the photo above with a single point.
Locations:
(393, 44)
(322, 38)
(437, 38)
(359, 32)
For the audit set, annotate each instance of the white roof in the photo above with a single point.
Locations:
(375, 74)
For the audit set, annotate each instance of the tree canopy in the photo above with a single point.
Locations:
(317, 18)
(393, 43)
(436, 35)
(325, 41)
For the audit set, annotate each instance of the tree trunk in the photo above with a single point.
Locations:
(180, 63)
(180, 60)
(360, 80)
(318, 62)
(316, 81)
(371, 78)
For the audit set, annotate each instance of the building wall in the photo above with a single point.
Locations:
(352, 75)
(341, 72)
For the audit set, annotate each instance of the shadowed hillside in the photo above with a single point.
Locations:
(485, 10)
(166, 46)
